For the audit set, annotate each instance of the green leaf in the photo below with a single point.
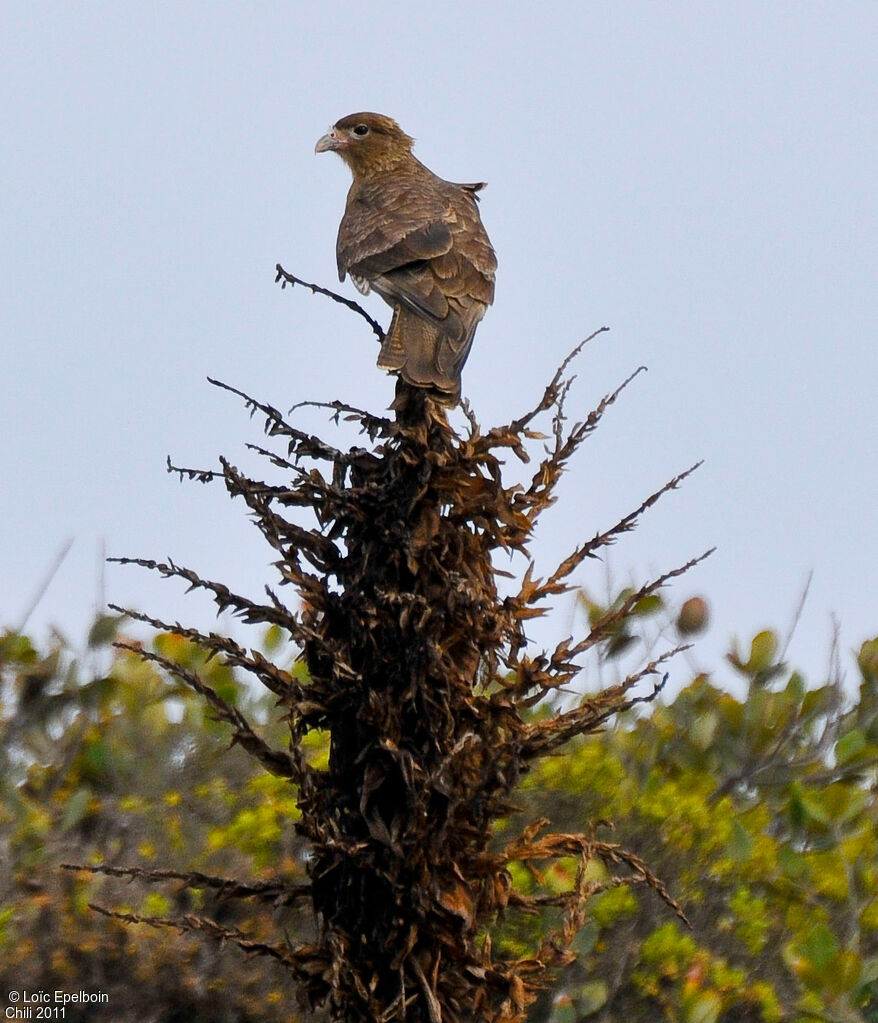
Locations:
(586, 939)
(704, 1007)
(763, 649)
(94, 761)
(648, 605)
(867, 660)
(796, 686)
(820, 947)
(740, 842)
(273, 638)
(792, 863)
(849, 972)
(817, 701)
(845, 802)
(16, 648)
(76, 808)
(850, 746)
(813, 804)
(703, 730)
(103, 630)
(591, 996)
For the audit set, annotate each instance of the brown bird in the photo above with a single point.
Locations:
(419, 242)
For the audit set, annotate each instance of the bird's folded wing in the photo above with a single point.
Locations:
(420, 243)
(416, 287)
(428, 287)
(381, 215)
(426, 242)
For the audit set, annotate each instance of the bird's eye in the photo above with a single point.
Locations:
(361, 130)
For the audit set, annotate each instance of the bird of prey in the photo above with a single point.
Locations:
(419, 242)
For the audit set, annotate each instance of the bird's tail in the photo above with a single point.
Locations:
(418, 350)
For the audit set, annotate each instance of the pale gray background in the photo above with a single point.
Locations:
(699, 177)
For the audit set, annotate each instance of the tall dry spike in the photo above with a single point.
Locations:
(421, 673)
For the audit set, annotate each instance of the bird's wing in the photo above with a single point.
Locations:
(398, 217)
(427, 242)
(419, 241)
(471, 242)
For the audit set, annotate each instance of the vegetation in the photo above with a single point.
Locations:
(105, 759)
(758, 812)
(361, 837)
(419, 673)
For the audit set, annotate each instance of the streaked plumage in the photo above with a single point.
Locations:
(419, 242)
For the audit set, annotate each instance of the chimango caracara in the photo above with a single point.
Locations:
(419, 242)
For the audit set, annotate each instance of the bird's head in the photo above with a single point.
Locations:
(368, 143)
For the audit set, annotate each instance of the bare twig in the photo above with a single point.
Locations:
(286, 278)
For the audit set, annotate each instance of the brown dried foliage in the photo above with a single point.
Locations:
(419, 670)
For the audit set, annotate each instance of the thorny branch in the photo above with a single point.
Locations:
(276, 892)
(274, 761)
(276, 679)
(189, 923)
(554, 584)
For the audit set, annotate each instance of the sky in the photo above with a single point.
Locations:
(700, 178)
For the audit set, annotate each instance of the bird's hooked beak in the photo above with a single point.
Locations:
(329, 142)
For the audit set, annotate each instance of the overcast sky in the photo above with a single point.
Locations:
(701, 178)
